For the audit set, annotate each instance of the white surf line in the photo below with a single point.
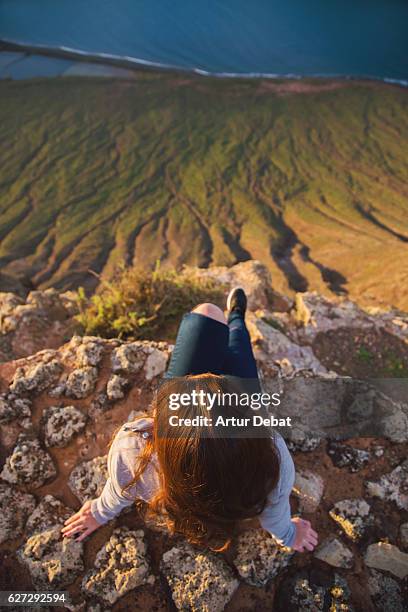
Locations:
(125, 60)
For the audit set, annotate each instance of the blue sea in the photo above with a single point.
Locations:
(355, 38)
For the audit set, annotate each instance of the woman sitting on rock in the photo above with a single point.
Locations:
(200, 481)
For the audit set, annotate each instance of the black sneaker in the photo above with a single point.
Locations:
(237, 301)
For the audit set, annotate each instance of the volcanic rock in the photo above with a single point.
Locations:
(15, 508)
(259, 558)
(120, 565)
(29, 464)
(198, 579)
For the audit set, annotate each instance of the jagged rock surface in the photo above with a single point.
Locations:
(392, 486)
(61, 423)
(49, 513)
(81, 382)
(253, 277)
(36, 378)
(88, 478)
(259, 558)
(351, 408)
(333, 552)
(353, 432)
(311, 592)
(15, 408)
(271, 346)
(43, 320)
(53, 562)
(386, 592)
(309, 488)
(198, 580)
(28, 464)
(387, 557)
(353, 516)
(15, 508)
(344, 455)
(318, 314)
(120, 565)
(115, 388)
(132, 357)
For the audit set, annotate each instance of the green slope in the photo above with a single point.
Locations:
(312, 181)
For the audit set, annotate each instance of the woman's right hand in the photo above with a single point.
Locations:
(80, 524)
(306, 537)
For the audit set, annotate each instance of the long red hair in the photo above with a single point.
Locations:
(208, 483)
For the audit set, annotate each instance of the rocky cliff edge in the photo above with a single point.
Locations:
(62, 396)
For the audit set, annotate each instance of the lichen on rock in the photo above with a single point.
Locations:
(353, 516)
(115, 387)
(120, 566)
(29, 464)
(132, 357)
(15, 508)
(302, 441)
(198, 579)
(37, 377)
(386, 592)
(259, 557)
(344, 455)
(100, 404)
(14, 408)
(309, 591)
(81, 382)
(88, 478)
(49, 513)
(53, 561)
(61, 424)
(89, 352)
(392, 486)
(128, 358)
(8, 305)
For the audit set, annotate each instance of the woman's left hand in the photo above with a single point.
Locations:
(306, 537)
(80, 524)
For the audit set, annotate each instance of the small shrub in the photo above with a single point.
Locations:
(141, 304)
(395, 367)
(364, 354)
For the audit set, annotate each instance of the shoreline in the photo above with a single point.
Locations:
(139, 65)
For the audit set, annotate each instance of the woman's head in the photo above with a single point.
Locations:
(209, 481)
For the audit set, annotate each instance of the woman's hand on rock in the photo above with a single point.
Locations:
(306, 537)
(80, 524)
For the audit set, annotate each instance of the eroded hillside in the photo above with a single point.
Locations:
(309, 178)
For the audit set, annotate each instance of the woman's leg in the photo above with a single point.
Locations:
(240, 360)
(201, 344)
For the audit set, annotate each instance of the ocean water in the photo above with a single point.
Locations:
(273, 37)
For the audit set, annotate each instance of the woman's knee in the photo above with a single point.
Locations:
(210, 310)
